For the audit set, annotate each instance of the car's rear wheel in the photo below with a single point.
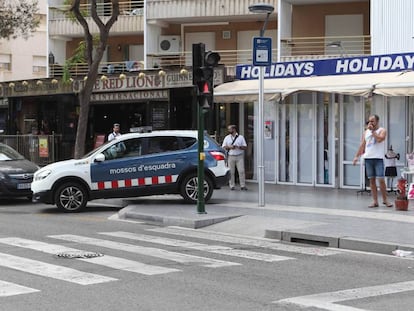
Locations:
(189, 188)
(71, 197)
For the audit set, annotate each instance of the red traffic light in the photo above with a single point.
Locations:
(206, 88)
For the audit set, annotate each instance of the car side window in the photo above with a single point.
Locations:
(115, 151)
(188, 141)
(133, 148)
(162, 144)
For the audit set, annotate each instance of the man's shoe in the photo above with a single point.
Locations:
(243, 188)
(231, 188)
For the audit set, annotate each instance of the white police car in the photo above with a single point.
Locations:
(135, 164)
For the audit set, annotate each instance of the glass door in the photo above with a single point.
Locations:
(306, 131)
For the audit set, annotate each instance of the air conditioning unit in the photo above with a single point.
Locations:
(169, 44)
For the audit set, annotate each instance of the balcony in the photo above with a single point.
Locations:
(196, 9)
(299, 48)
(292, 49)
(130, 20)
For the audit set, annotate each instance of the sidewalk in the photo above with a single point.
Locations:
(319, 216)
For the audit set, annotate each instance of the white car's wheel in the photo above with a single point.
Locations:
(71, 197)
(189, 188)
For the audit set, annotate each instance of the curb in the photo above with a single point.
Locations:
(195, 222)
(345, 242)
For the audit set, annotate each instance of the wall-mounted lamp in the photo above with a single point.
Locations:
(162, 73)
(141, 75)
(55, 81)
(183, 72)
(104, 78)
(119, 47)
(25, 83)
(337, 45)
(122, 76)
(11, 85)
(39, 82)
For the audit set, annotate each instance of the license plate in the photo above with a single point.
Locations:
(24, 186)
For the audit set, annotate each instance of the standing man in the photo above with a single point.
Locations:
(235, 144)
(115, 132)
(372, 148)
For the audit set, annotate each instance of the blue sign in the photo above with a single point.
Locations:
(262, 51)
(327, 67)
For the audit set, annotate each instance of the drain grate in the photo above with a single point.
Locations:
(78, 254)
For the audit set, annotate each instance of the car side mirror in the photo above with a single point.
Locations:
(100, 157)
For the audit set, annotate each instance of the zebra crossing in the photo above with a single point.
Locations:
(233, 256)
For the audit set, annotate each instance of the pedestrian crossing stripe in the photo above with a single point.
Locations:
(217, 249)
(148, 251)
(53, 271)
(11, 289)
(107, 261)
(254, 242)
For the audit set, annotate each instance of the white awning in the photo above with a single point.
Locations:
(274, 89)
(400, 85)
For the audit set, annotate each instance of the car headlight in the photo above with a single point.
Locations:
(42, 174)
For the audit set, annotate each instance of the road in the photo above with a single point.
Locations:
(87, 261)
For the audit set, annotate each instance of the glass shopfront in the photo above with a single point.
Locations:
(311, 137)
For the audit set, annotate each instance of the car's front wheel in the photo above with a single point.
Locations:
(189, 188)
(71, 197)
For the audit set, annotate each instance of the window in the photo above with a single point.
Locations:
(163, 144)
(39, 64)
(188, 141)
(5, 62)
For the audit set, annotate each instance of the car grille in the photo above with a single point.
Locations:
(23, 177)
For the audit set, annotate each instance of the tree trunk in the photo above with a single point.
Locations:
(82, 126)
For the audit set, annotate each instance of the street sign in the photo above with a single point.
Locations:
(262, 51)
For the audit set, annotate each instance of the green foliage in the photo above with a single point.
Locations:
(69, 14)
(18, 18)
(78, 57)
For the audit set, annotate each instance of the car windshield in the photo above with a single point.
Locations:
(9, 154)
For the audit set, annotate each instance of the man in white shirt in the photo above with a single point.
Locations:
(235, 144)
(115, 132)
(372, 148)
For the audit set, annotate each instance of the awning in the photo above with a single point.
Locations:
(400, 85)
(274, 89)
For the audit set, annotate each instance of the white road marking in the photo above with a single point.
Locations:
(331, 211)
(107, 261)
(264, 243)
(217, 249)
(51, 271)
(148, 251)
(11, 289)
(327, 301)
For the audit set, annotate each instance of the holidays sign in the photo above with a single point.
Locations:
(327, 67)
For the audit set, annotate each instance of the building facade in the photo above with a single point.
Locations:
(311, 134)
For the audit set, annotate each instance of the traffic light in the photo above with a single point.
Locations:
(203, 73)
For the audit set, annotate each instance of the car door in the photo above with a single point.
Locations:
(119, 173)
(164, 160)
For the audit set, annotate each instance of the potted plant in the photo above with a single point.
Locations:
(401, 202)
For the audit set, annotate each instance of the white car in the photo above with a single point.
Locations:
(135, 164)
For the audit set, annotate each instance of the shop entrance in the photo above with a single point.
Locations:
(306, 148)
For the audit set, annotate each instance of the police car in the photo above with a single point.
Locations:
(132, 165)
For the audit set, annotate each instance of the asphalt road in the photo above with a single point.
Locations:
(137, 266)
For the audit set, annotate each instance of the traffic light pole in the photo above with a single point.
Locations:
(203, 81)
(201, 156)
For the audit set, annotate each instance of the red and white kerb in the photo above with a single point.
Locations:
(136, 182)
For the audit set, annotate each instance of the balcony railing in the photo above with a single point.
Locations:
(324, 47)
(103, 9)
(292, 49)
